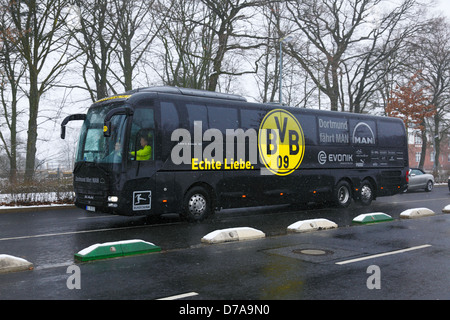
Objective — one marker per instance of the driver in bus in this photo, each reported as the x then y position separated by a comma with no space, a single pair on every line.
144,153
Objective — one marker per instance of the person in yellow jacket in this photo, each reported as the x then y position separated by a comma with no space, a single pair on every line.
145,153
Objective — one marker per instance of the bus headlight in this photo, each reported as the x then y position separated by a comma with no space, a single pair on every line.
113,198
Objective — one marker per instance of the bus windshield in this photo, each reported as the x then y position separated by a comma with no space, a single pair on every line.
93,146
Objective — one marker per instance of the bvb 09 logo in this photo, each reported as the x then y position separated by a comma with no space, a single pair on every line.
281,142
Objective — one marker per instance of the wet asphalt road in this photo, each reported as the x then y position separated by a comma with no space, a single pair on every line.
269,268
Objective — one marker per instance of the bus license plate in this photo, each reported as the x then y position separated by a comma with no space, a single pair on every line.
90,208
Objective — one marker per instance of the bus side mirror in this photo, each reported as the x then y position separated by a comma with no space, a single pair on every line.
72,117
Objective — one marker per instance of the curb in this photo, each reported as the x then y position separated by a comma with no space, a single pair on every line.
12,264
311,225
416,213
233,234
115,249
374,217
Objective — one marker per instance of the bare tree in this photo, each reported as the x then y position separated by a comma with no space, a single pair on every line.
42,46
389,34
347,48
186,47
268,77
432,55
11,74
95,39
203,39
137,29
297,89
9,99
229,38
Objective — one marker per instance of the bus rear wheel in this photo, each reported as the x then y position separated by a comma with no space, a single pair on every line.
197,205
343,194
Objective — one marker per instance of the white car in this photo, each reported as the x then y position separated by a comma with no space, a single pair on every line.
418,179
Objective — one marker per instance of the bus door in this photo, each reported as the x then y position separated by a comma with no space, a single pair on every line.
141,164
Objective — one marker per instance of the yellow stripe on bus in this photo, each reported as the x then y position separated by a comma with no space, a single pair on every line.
111,98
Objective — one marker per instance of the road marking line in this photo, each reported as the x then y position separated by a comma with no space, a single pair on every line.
79,232
63,233
180,296
383,254
409,201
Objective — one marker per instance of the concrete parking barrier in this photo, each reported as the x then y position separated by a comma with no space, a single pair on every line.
311,225
115,249
233,234
416,213
446,209
12,264
374,217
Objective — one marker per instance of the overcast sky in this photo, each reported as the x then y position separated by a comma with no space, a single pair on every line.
444,6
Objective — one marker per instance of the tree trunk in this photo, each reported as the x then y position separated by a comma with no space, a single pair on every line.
32,127
423,152
437,146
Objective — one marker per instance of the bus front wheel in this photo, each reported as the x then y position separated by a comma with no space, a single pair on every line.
343,194
197,204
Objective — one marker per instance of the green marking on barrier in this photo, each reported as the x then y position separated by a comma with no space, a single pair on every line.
115,249
372,218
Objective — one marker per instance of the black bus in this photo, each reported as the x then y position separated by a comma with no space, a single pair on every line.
171,150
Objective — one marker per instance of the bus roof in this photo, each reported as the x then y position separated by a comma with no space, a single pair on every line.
189,92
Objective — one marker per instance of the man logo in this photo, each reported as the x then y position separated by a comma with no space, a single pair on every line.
363,134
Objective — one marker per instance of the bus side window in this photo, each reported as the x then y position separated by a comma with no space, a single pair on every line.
308,124
170,121
251,118
169,117
391,134
223,118
197,112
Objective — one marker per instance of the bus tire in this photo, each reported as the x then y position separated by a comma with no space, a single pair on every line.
366,193
197,204
342,194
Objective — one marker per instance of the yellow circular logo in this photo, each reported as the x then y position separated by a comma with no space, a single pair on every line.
281,142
